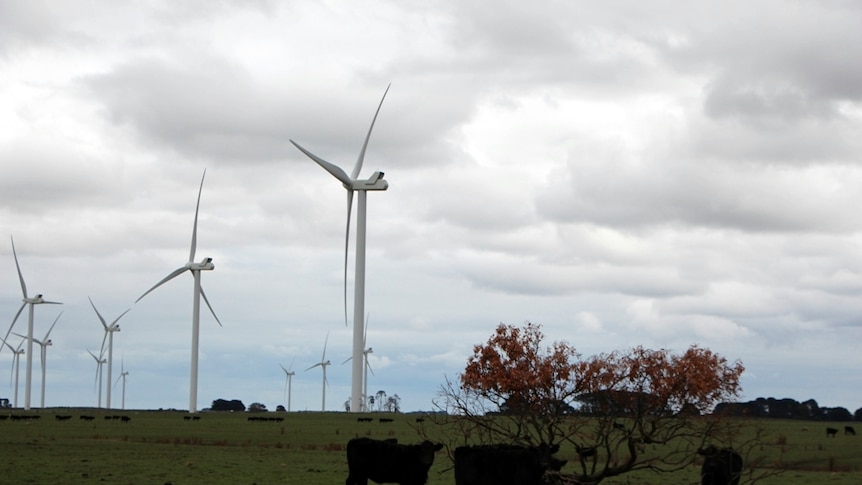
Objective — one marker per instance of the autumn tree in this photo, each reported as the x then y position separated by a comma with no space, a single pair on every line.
638,409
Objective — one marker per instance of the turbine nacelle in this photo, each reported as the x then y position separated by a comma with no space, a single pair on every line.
375,182
206,264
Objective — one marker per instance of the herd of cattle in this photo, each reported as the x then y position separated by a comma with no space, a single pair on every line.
387,461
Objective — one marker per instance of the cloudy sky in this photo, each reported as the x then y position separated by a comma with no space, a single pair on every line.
624,173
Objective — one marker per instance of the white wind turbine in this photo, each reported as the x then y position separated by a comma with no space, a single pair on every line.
31,301
322,364
353,184
43,353
99,361
109,336
16,357
367,366
205,264
288,378
123,374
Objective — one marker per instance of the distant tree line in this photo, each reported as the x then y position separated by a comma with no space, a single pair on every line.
786,409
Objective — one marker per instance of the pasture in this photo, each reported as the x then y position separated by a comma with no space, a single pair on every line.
158,447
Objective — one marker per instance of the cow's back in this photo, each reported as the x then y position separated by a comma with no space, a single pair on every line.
388,462
497,465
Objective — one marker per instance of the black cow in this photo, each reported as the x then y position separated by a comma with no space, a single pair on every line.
831,432
504,464
849,430
721,466
388,462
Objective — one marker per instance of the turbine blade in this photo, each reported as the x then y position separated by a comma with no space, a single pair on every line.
52,303
365,331
101,319
52,326
20,276
167,278
210,307
369,367
102,348
347,360
323,358
332,168
291,364
121,316
282,368
315,365
358,167
14,320
195,227
346,248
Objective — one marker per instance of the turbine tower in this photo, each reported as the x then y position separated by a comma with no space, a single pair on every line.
99,361
43,353
353,184
322,364
16,357
109,336
288,378
205,264
31,302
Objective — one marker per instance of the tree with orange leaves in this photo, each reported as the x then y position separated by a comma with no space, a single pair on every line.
516,389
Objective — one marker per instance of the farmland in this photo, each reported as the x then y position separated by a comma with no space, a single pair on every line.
156,447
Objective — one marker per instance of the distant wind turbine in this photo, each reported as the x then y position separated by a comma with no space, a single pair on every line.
288,378
43,351
322,364
99,361
205,264
109,336
367,365
353,184
16,357
123,374
28,301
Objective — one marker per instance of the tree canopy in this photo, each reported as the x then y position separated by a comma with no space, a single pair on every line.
516,388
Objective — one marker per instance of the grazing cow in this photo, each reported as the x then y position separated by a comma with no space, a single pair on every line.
849,430
831,432
504,464
721,466
389,462
386,420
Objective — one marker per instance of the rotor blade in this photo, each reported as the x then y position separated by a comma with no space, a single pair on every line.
195,228
210,307
282,368
358,167
20,276
365,331
315,365
346,248
121,316
25,337
347,360
102,348
367,364
323,358
332,168
291,364
101,318
51,303
52,326
167,278
13,322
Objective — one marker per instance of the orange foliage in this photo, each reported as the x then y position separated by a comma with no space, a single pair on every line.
512,368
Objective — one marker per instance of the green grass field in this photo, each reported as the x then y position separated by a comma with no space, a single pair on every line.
158,447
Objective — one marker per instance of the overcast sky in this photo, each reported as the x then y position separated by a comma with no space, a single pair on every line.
623,173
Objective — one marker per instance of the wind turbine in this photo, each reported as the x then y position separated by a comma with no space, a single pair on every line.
367,366
44,344
205,264
109,336
31,301
16,356
322,364
123,374
99,361
288,378
353,184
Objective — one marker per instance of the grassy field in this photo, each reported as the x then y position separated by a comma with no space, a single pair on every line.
306,448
